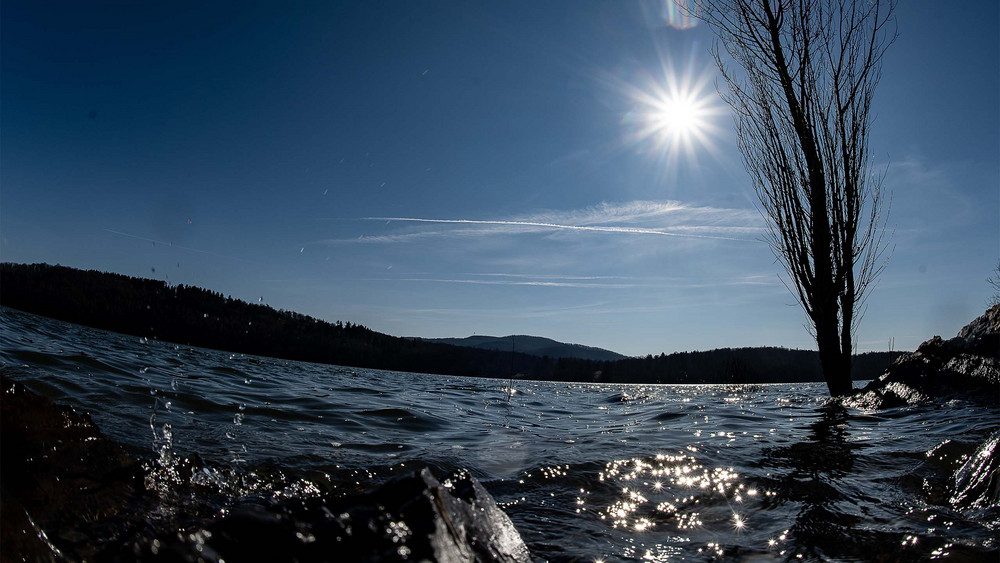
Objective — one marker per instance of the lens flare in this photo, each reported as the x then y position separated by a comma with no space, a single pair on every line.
678,14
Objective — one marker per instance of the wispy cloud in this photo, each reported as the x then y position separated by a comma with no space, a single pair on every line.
537,276
592,228
536,283
591,282
643,218
954,188
393,238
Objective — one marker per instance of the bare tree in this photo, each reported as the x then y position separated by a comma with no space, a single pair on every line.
994,281
801,91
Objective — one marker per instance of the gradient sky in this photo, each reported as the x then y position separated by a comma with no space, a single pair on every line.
442,169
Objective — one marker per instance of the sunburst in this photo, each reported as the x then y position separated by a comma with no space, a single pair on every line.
674,113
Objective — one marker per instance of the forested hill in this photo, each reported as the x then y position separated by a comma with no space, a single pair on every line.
199,317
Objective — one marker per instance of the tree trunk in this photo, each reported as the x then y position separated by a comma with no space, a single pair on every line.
836,370
825,292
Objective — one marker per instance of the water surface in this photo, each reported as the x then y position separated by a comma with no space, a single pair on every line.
586,471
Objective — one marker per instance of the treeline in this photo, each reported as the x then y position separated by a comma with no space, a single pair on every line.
726,365
199,317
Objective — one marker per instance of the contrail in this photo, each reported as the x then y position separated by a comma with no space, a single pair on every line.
508,282
154,241
597,228
170,244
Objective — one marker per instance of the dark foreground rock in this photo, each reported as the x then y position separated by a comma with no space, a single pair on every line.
70,493
66,489
967,366
412,518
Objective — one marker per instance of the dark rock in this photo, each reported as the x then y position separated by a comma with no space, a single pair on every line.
70,493
67,489
412,518
981,334
967,366
976,484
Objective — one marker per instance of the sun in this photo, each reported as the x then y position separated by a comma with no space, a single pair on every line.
672,114
677,118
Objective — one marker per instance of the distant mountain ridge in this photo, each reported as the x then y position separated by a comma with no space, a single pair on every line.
532,345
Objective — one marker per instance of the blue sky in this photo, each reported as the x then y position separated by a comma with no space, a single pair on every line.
442,169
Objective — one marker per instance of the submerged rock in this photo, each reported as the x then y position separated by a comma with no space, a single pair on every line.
967,366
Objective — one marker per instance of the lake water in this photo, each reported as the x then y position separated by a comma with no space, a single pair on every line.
586,472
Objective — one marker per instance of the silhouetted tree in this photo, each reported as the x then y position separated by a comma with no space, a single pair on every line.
807,71
994,281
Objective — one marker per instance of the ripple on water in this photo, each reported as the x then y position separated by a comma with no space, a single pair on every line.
393,417
586,471
227,370
385,447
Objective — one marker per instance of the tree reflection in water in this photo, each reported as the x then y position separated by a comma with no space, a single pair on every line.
819,471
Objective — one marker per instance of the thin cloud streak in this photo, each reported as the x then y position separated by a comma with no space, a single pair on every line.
646,281
650,218
541,276
389,239
587,281
591,228
511,282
